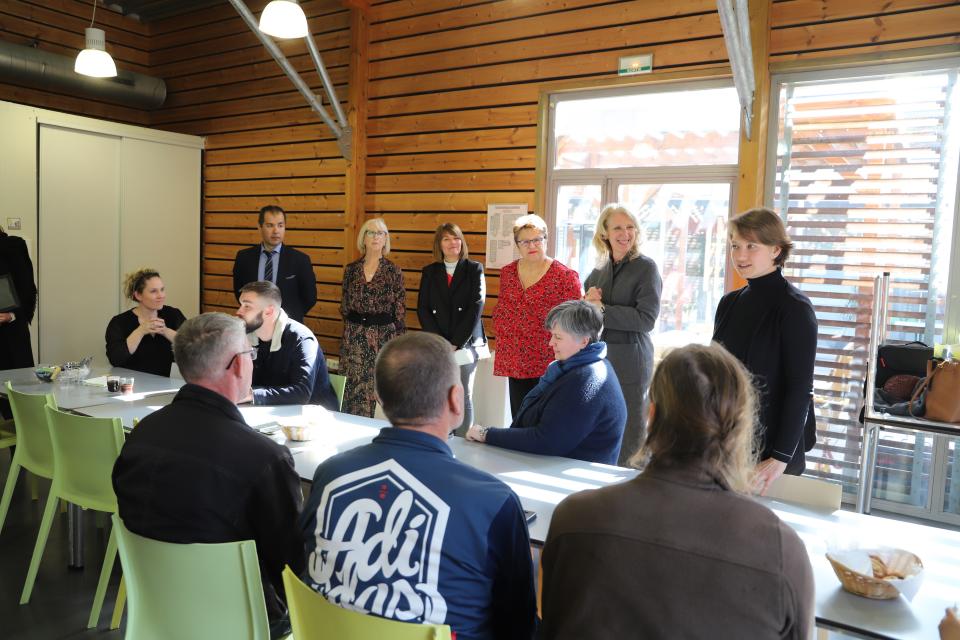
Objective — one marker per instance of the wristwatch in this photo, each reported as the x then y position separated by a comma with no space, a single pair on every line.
482,432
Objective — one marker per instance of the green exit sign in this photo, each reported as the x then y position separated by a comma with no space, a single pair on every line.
631,65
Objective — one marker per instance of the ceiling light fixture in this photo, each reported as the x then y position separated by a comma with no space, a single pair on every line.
94,60
283,19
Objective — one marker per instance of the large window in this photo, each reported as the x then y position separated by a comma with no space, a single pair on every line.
866,178
667,152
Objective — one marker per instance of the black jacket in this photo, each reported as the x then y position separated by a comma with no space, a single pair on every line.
194,471
779,347
15,349
295,372
295,278
453,311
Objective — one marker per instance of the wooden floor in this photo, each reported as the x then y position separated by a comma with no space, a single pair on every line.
61,598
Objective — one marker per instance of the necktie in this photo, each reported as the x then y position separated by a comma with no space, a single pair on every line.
268,266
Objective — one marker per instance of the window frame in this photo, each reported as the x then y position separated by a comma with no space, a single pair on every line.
609,179
838,69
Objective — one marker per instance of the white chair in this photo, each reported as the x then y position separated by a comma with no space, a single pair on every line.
809,492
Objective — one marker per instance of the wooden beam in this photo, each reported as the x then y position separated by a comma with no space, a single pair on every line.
363,6
753,152
356,176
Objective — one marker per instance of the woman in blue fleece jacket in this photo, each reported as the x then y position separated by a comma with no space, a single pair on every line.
577,409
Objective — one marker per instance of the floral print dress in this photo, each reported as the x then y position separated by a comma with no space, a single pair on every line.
383,295
523,344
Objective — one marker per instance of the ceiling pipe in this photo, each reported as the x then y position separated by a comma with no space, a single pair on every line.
342,134
33,67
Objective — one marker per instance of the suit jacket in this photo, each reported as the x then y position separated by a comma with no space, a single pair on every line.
15,349
631,307
453,311
295,278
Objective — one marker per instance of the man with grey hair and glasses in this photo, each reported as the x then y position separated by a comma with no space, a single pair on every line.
401,529
194,471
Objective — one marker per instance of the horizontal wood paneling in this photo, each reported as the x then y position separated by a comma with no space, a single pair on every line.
57,26
452,104
263,143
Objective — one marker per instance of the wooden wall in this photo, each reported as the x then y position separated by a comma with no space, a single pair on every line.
57,26
452,104
263,143
454,88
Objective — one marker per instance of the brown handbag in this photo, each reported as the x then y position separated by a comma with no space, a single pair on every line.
942,387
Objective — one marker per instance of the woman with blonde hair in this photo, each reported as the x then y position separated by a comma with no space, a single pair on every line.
141,338
452,292
682,550
373,308
626,288
529,288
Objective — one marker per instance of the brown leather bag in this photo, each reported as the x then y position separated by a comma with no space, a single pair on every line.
942,387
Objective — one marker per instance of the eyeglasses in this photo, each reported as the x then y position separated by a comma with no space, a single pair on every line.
532,242
375,234
252,352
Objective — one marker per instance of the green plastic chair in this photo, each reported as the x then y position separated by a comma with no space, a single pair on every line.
84,450
34,451
339,384
191,591
313,616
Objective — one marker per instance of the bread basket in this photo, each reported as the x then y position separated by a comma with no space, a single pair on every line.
296,428
880,574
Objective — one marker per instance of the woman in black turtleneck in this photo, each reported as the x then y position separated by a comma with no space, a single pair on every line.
772,329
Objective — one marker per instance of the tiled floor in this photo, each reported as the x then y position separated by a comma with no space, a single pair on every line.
61,598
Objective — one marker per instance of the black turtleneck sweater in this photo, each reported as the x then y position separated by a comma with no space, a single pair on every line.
770,326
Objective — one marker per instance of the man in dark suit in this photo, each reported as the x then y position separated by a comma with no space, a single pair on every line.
15,349
275,262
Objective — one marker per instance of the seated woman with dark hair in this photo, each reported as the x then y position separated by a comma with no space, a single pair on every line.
682,550
577,409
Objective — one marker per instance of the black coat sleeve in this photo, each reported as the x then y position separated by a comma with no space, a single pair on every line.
301,370
798,347
307,282
274,509
470,316
239,277
118,329
424,309
21,271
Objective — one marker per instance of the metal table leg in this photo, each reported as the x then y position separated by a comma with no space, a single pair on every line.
75,536
868,463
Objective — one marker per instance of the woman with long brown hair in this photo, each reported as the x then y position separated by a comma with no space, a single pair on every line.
682,550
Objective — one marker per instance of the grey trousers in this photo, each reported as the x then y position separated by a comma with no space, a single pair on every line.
468,373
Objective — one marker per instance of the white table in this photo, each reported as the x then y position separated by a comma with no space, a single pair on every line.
72,396
542,482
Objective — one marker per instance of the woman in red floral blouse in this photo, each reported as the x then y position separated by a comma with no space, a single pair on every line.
529,288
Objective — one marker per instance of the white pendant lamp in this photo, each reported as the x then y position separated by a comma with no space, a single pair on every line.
94,60
283,19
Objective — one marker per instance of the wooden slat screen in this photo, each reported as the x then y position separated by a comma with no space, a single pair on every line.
859,174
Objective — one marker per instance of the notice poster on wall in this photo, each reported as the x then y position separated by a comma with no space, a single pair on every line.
501,250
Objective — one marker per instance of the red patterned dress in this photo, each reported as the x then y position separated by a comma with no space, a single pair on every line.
523,344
